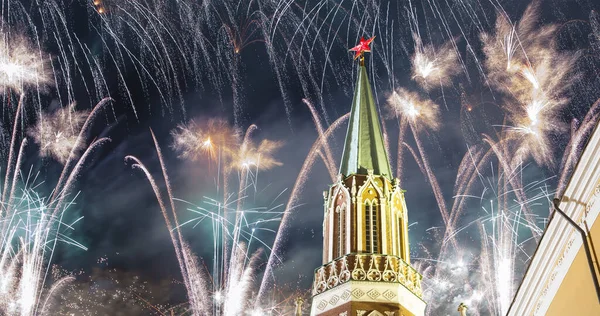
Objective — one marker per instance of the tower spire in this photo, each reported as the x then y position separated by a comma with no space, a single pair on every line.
366,260
364,148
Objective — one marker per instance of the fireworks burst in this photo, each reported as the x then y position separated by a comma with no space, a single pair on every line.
29,237
524,64
419,112
196,140
57,133
259,157
228,291
170,47
20,66
167,50
485,276
32,226
431,67
530,78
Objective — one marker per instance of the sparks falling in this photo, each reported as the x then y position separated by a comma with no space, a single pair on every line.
524,64
32,225
434,67
20,65
410,106
57,133
168,49
200,140
228,290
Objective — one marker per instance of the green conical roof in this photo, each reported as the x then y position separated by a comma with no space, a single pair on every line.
364,148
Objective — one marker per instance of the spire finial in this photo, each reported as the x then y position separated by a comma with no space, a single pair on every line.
365,146
361,49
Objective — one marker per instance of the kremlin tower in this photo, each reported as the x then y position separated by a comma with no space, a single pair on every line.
366,260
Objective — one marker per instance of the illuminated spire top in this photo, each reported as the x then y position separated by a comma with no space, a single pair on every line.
364,148
362,48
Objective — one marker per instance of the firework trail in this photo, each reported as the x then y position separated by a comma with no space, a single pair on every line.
234,270
57,133
484,277
170,47
32,225
523,63
274,257
530,78
505,242
193,281
24,253
19,67
328,158
420,115
434,69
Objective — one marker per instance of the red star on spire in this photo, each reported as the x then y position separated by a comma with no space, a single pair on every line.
362,47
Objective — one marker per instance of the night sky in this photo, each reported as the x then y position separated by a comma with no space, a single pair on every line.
122,227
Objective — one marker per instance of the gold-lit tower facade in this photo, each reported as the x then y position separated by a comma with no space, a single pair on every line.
366,260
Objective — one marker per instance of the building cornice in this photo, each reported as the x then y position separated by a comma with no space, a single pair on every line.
368,292
561,242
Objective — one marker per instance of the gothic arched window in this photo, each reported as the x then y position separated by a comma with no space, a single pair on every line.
371,227
335,232
400,229
342,229
375,235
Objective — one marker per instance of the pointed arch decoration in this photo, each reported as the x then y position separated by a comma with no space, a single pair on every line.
371,183
343,246
377,194
367,228
336,206
372,225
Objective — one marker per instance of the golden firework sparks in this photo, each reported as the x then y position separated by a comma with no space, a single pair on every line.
524,64
198,140
434,67
57,133
259,157
420,112
20,64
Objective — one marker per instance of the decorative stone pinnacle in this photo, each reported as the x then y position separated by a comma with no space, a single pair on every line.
299,302
462,308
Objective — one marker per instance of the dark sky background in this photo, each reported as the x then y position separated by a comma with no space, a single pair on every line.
122,227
